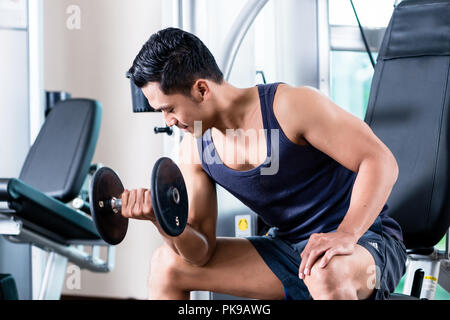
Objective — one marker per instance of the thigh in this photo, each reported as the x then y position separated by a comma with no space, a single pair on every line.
365,272
236,268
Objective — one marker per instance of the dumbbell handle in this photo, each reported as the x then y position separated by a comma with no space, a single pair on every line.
116,204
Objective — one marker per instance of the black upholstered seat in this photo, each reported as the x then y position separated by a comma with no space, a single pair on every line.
54,171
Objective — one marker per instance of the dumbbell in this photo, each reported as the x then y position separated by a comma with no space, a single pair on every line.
168,194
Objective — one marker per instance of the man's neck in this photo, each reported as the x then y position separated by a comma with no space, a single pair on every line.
234,106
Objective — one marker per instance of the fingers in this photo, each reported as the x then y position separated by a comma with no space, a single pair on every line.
308,262
131,202
315,247
324,246
148,207
304,257
124,197
326,258
137,208
136,204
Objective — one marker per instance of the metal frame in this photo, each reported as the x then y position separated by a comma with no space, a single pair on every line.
436,268
348,38
35,67
323,39
187,14
53,278
59,255
341,38
330,38
49,264
245,20
238,32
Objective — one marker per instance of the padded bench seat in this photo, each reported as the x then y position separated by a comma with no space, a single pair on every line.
46,215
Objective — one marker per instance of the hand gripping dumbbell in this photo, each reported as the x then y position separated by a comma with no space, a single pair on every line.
168,194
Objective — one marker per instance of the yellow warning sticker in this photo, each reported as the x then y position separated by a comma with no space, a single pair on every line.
430,278
243,224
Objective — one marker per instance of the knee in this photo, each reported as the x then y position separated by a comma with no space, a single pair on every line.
334,282
164,267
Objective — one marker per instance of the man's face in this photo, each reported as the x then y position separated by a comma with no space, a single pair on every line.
178,110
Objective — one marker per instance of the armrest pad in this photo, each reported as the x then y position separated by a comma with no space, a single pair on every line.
49,213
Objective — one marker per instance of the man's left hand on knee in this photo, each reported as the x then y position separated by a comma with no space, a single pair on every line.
325,246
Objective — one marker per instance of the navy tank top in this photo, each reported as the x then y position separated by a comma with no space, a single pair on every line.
298,190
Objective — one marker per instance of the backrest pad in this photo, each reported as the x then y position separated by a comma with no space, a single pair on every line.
58,162
409,111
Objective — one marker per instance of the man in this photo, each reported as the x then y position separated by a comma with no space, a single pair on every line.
325,200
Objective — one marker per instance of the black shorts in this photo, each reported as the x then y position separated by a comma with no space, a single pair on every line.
283,258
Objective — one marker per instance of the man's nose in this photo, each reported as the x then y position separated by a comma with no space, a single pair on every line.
170,121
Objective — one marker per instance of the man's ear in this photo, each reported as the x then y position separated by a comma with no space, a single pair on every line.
200,90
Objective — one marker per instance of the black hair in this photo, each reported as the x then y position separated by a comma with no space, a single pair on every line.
175,59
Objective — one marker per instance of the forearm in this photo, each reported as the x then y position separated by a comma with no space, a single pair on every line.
191,245
372,187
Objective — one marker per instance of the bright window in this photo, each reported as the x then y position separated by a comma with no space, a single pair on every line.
351,71
351,77
372,13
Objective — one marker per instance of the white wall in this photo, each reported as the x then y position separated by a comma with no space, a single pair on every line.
14,111
91,62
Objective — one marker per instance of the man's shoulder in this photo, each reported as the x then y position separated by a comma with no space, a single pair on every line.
292,95
294,107
296,103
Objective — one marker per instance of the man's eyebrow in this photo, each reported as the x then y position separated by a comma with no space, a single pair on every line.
161,108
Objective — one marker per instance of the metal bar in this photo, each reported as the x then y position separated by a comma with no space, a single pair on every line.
47,274
323,41
430,264
444,275
417,283
447,245
4,195
74,255
238,32
111,259
53,279
188,15
35,65
178,13
348,38
10,226
363,36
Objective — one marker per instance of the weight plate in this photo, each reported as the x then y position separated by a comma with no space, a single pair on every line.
169,197
104,186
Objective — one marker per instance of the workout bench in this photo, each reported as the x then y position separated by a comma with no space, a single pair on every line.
36,208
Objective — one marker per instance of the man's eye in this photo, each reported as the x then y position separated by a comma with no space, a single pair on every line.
171,110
